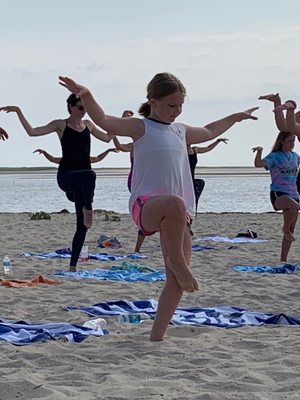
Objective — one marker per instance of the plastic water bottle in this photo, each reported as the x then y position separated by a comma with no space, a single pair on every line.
96,324
84,255
7,265
133,318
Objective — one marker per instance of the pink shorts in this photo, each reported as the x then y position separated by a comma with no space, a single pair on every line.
136,213
137,210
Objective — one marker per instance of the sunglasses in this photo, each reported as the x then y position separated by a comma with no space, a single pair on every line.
80,108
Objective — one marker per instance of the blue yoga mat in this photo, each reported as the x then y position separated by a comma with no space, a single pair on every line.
223,317
23,333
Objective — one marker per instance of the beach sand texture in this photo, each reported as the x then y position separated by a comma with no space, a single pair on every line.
203,363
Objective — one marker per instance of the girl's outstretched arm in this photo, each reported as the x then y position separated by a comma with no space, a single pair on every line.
55,160
216,128
258,162
101,156
292,124
53,126
132,127
279,116
210,147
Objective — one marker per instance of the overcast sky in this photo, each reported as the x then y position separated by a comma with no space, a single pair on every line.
226,53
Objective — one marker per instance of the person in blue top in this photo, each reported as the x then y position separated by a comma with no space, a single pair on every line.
289,122
283,164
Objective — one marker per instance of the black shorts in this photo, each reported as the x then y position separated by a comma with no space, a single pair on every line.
274,194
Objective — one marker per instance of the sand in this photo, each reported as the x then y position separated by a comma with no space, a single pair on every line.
192,362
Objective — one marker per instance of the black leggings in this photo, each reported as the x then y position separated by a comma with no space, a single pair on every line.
79,187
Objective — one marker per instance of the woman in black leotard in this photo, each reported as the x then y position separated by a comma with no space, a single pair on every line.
193,159
75,176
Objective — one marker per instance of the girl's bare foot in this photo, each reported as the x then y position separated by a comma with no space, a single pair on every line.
72,269
87,217
184,277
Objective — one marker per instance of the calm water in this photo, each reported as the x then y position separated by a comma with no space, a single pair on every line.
39,192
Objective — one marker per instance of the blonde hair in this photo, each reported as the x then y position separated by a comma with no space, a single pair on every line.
161,85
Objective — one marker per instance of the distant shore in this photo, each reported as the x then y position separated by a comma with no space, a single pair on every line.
200,171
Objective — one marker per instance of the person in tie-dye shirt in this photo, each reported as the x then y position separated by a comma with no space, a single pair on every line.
283,164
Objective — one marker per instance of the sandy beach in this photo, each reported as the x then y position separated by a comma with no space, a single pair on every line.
203,363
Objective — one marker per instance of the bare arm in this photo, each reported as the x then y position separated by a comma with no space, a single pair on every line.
214,129
132,127
55,160
292,124
210,146
53,126
101,156
3,134
258,162
126,147
281,123
98,133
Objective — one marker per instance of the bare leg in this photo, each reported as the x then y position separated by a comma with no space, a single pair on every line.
172,291
290,210
286,244
167,214
139,241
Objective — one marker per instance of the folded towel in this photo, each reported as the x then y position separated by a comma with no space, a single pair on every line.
223,317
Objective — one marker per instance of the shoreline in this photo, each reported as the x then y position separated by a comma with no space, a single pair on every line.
118,172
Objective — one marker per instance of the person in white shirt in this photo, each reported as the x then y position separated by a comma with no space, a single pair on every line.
162,195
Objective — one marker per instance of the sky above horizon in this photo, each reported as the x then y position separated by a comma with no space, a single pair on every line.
226,54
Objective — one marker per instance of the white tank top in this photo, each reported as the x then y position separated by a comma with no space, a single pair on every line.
161,165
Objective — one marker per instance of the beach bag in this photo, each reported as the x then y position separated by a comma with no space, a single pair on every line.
108,242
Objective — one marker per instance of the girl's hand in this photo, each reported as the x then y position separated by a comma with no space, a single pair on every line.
256,149
247,114
224,140
114,150
72,86
127,113
40,151
9,109
270,97
3,134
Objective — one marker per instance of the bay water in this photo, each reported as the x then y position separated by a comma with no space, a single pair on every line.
33,192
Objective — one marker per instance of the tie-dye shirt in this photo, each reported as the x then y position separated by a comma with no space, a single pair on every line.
283,168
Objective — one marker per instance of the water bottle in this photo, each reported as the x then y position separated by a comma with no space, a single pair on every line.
7,265
133,318
84,255
96,324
